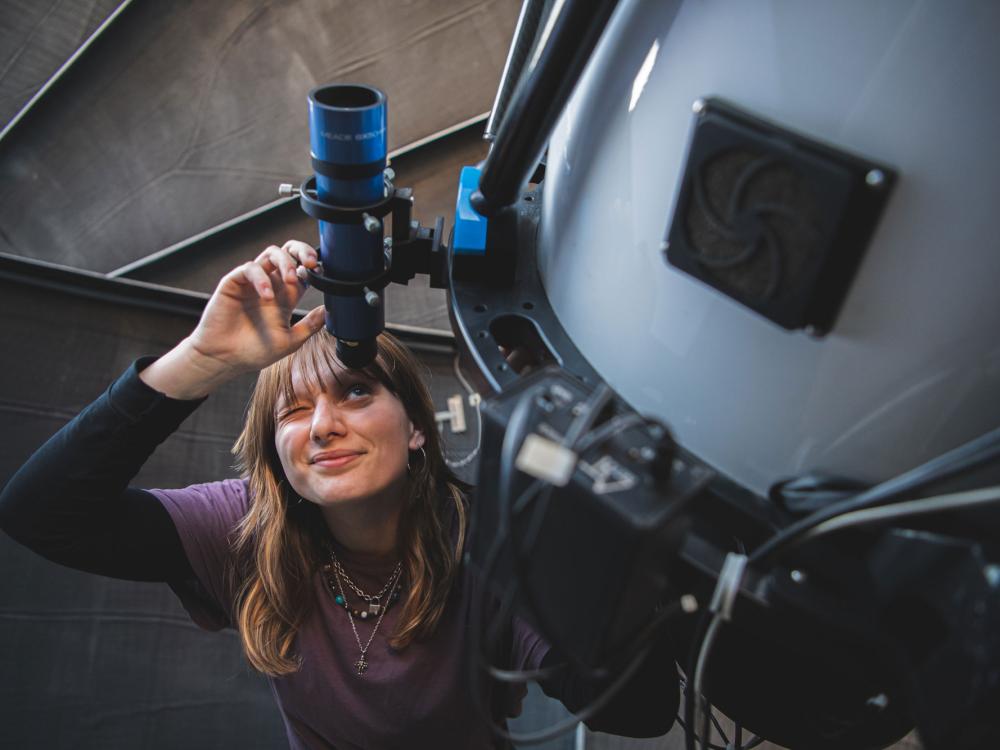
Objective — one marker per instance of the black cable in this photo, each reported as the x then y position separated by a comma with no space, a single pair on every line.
514,437
584,714
607,430
706,712
689,695
576,436
560,727
516,426
966,457
576,430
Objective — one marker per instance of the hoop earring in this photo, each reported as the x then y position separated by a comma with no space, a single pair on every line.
409,469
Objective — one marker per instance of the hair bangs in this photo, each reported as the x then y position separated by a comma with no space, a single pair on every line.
316,363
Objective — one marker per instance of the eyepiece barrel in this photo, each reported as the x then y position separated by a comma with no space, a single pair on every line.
347,138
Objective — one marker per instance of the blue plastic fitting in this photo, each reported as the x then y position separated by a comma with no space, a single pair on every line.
469,237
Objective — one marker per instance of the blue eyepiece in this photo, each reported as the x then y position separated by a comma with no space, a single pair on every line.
347,137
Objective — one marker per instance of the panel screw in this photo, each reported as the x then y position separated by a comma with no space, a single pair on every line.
875,178
880,701
689,604
798,576
373,225
992,573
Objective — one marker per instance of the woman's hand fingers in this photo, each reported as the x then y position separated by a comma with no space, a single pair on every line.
276,261
311,323
287,264
246,322
302,252
256,276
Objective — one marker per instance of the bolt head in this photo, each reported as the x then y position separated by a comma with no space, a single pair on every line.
875,178
880,701
698,106
992,573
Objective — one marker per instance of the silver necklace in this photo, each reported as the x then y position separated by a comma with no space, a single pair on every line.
370,598
362,663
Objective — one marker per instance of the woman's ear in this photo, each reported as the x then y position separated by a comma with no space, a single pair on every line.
417,439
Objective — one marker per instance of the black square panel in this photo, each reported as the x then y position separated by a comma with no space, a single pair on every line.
772,219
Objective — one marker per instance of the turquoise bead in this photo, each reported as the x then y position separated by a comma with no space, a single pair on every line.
339,599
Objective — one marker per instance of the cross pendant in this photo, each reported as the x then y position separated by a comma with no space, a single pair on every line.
361,665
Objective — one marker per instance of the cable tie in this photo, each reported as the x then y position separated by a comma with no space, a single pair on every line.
728,585
546,460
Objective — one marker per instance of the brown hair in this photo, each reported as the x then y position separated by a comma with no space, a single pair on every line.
279,543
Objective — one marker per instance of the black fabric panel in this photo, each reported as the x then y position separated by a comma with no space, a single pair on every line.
36,38
184,115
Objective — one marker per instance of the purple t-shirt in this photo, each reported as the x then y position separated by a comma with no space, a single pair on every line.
417,697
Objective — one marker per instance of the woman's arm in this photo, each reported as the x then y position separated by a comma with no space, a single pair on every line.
71,502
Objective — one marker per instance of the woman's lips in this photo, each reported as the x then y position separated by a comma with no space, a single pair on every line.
336,459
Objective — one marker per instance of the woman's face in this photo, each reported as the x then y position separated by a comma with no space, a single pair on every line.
342,441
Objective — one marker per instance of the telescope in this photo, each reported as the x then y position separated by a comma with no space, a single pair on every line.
726,282
351,195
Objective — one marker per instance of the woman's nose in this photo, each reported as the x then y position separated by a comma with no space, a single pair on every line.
327,420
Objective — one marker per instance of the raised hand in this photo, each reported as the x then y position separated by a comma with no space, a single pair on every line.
246,324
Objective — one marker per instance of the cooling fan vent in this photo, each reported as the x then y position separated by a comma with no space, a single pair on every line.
773,220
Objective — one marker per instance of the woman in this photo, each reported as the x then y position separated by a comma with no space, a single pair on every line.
336,557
